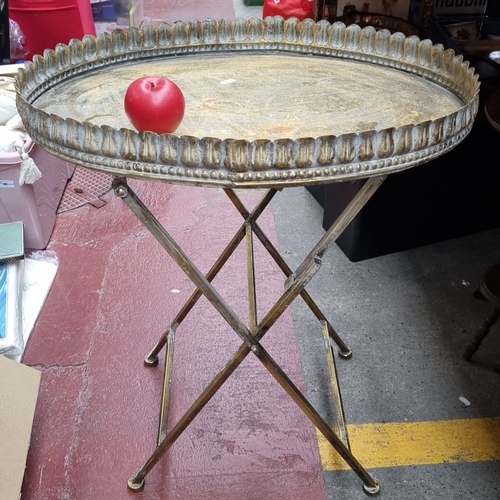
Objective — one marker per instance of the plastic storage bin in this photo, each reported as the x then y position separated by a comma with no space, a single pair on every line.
35,205
45,23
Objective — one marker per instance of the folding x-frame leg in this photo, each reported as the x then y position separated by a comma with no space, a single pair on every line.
294,286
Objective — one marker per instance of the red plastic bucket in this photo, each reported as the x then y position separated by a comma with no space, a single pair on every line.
45,23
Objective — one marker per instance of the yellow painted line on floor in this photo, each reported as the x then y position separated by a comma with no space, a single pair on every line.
418,443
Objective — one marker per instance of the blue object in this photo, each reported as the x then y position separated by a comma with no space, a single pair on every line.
3,301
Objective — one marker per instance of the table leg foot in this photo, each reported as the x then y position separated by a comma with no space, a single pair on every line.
372,490
134,485
345,354
151,360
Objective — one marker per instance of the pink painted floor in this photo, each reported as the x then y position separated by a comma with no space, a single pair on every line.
97,413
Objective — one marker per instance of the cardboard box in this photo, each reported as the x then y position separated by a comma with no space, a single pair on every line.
19,385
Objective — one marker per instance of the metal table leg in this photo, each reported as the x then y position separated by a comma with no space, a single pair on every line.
294,286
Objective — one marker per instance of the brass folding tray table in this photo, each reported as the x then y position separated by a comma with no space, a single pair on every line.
271,104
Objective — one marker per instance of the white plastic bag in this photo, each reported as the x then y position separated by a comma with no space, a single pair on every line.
12,141
18,50
8,108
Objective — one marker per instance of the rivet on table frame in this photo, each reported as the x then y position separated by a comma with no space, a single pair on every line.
121,191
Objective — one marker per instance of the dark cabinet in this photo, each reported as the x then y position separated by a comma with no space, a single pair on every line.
452,196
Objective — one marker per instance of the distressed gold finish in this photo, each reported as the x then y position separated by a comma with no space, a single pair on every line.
253,334
270,103
358,93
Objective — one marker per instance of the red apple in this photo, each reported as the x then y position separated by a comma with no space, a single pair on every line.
154,104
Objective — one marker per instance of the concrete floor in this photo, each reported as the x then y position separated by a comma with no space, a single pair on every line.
407,317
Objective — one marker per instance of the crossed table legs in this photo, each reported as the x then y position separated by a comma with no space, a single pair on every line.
251,336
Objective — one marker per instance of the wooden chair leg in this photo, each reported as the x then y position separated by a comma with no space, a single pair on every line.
475,342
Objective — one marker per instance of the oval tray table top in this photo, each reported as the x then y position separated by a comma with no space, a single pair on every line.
268,102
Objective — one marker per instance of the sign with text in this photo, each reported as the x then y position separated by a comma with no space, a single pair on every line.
447,7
